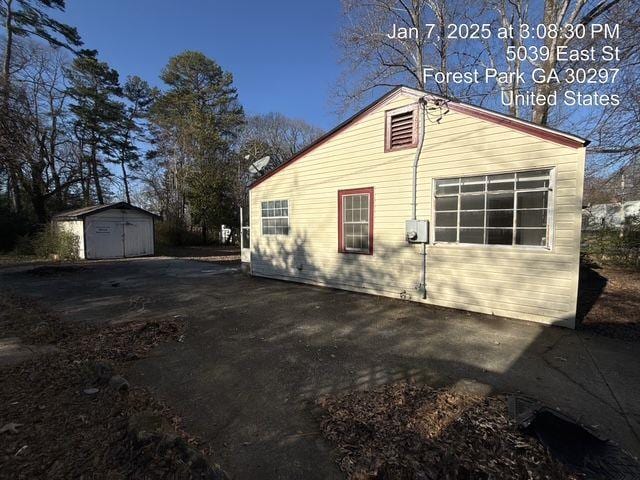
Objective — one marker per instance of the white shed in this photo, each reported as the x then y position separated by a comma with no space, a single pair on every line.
118,230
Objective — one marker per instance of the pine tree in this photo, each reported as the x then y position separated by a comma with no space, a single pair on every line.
139,97
198,118
95,89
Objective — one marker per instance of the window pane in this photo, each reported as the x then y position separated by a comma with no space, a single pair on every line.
446,203
500,218
501,182
471,219
533,174
471,235
500,201
445,234
532,184
532,218
472,202
447,186
537,237
532,200
365,241
500,236
473,184
348,215
446,219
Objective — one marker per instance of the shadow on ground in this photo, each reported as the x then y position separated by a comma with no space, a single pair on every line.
258,353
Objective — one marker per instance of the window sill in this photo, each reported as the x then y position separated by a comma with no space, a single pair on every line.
356,252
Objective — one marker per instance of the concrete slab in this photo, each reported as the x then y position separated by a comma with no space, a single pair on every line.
259,352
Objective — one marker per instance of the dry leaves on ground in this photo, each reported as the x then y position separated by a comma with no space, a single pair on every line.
405,431
609,302
63,421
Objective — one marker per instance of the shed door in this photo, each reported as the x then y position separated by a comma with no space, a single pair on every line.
138,236
104,237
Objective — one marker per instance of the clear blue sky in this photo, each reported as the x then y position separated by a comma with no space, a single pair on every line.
282,53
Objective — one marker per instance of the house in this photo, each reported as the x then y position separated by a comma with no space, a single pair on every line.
430,200
118,230
610,215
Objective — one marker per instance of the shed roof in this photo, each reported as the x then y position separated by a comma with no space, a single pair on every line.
80,213
547,133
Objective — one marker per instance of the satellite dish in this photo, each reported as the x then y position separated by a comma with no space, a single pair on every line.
257,166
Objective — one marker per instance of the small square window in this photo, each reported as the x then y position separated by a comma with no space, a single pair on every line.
275,217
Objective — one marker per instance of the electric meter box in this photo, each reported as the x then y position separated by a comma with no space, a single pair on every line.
417,231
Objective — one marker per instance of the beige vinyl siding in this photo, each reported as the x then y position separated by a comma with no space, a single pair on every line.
522,282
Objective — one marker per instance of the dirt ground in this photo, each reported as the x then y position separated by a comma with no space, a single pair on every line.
207,253
68,412
609,302
407,431
257,354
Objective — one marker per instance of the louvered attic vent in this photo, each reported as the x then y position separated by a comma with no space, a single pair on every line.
400,130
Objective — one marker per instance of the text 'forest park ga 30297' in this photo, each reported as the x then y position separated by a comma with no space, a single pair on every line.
543,47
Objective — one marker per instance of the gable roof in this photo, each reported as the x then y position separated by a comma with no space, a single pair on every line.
546,133
80,213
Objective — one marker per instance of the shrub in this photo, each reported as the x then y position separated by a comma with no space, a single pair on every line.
54,241
617,246
174,234
14,227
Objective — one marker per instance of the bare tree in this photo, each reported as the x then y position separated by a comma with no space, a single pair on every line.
38,102
275,135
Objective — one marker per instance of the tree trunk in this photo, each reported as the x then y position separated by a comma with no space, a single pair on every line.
6,69
12,182
204,233
16,196
125,180
94,172
52,152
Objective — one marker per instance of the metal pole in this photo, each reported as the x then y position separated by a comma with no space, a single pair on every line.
424,271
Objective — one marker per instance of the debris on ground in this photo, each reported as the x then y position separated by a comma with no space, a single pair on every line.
56,270
69,413
576,445
409,431
609,301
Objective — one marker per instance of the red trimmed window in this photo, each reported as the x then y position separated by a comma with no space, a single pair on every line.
355,221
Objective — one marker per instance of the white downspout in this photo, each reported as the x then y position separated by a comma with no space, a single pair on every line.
414,199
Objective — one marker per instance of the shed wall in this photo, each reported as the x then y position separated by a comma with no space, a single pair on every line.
528,283
104,234
77,228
